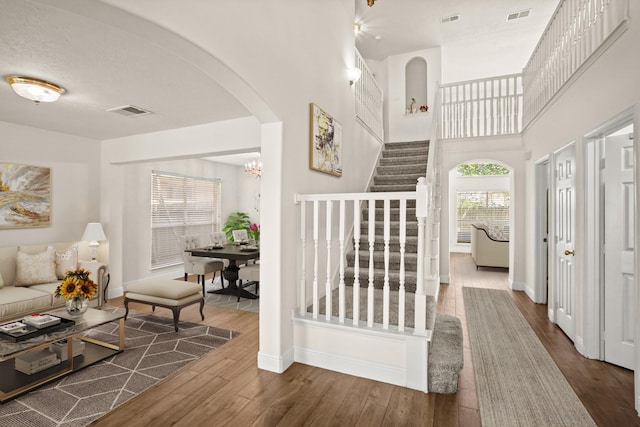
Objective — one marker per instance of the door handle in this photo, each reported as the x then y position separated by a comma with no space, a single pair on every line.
568,252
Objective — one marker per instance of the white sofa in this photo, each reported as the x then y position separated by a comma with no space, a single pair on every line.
29,288
489,246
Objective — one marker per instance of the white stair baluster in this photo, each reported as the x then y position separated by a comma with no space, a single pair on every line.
327,286
341,300
303,280
315,259
385,287
372,240
403,241
356,263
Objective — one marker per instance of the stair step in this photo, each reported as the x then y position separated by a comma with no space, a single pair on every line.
394,226
410,260
405,152
405,161
380,188
394,214
401,169
406,144
410,279
410,245
405,179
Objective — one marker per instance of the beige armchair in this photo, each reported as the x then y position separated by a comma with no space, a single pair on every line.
199,265
489,246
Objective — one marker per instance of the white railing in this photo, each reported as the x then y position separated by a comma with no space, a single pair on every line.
368,100
486,107
318,221
576,30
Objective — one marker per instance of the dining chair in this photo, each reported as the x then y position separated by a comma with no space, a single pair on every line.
198,265
251,273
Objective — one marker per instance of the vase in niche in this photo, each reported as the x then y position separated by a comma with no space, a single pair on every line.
77,306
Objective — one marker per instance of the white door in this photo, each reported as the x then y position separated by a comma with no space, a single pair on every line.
619,266
564,237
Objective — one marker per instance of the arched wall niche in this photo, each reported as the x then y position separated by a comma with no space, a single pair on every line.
415,77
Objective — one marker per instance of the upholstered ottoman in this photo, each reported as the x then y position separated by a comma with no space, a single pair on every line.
171,294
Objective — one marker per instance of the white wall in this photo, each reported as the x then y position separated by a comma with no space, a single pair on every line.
398,125
300,56
605,89
75,181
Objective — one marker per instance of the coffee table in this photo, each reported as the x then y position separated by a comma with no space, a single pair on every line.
14,383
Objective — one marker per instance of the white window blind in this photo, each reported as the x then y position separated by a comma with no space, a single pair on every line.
491,207
181,205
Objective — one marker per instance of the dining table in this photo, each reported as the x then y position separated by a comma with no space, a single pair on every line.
235,253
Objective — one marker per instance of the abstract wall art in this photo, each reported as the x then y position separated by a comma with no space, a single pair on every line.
325,150
25,196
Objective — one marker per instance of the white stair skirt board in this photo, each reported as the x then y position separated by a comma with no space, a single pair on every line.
394,358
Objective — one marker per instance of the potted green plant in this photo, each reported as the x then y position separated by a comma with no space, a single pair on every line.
236,221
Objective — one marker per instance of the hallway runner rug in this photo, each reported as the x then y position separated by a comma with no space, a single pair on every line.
153,351
517,381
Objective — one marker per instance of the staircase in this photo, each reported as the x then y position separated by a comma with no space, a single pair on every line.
400,166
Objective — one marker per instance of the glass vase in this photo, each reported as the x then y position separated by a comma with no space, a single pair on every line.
77,306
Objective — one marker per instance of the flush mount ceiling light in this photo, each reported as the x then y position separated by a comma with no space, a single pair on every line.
35,89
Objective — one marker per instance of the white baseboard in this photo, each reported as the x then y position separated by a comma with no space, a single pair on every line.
351,366
277,364
516,286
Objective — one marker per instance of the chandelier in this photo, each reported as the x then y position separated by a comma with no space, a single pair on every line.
254,168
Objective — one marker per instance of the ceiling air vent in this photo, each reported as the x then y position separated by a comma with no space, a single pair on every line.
518,15
129,111
450,18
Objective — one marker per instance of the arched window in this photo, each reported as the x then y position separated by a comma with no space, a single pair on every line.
415,77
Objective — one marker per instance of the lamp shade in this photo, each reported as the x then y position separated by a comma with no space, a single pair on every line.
93,232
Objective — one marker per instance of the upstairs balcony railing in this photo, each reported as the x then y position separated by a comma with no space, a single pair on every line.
369,100
575,32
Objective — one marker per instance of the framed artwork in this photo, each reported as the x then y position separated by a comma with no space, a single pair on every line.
325,145
25,196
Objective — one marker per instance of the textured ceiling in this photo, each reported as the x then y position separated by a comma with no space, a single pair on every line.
101,67
392,27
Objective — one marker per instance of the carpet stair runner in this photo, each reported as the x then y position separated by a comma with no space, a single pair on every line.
399,168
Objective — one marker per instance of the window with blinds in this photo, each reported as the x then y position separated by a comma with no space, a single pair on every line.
181,205
491,207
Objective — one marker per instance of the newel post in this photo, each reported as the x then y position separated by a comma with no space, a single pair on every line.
421,299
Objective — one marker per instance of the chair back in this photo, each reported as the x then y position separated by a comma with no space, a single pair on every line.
218,238
240,235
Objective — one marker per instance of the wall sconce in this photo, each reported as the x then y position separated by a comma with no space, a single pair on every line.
92,234
353,74
35,89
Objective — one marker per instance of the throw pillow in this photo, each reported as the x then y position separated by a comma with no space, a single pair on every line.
33,269
67,260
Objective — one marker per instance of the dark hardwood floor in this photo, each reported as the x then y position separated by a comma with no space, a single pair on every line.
226,387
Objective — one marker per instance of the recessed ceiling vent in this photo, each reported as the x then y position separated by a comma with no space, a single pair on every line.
518,15
129,111
450,18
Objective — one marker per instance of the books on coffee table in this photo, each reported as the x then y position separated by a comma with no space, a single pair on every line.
36,361
60,348
41,320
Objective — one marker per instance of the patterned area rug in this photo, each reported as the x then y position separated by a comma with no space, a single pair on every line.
230,301
153,351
